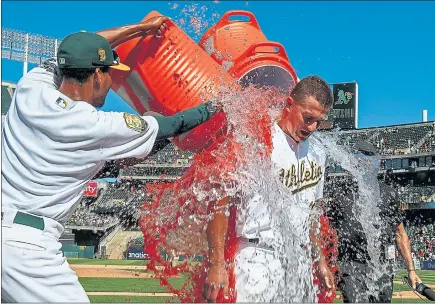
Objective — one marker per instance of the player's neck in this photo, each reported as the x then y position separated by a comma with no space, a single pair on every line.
286,131
77,92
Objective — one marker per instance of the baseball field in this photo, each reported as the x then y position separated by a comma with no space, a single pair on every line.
118,281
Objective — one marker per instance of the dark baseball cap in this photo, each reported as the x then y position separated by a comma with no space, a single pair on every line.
85,50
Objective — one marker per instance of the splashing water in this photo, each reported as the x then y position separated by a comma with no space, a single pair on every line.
366,208
195,18
239,165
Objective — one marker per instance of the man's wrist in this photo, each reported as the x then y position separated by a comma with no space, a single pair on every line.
144,28
216,254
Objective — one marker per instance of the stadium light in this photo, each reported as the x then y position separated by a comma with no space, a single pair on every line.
27,48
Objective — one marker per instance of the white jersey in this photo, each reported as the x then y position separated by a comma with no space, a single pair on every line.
301,170
52,146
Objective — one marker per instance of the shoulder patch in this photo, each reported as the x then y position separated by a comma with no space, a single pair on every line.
62,102
135,122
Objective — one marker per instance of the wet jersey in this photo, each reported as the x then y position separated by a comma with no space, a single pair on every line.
52,145
300,167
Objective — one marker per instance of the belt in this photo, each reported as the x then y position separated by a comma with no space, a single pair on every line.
29,220
256,241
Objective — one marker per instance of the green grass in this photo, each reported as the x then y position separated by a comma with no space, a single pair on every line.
153,285
107,262
124,299
427,276
128,284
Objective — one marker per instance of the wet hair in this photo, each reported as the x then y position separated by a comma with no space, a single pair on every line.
79,75
316,87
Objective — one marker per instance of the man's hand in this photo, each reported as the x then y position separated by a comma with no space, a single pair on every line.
413,278
217,278
326,277
155,26
118,35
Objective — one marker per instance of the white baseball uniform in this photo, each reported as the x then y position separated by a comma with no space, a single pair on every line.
51,147
259,271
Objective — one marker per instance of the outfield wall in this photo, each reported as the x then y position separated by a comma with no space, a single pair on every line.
427,265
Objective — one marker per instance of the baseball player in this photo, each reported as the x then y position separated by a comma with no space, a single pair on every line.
53,142
258,269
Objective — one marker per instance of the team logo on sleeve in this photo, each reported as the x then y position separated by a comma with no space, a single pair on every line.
135,122
62,102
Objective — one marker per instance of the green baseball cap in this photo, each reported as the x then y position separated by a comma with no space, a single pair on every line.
84,50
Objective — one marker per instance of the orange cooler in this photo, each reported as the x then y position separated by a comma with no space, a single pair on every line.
231,36
243,50
265,64
169,75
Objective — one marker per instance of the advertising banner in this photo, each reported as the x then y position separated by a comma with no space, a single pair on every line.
427,265
91,189
136,253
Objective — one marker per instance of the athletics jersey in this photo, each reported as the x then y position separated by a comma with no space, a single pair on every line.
52,146
301,169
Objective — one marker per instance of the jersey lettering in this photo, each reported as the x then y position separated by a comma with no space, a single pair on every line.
303,178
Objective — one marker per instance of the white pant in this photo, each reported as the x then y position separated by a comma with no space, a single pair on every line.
261,277
33,267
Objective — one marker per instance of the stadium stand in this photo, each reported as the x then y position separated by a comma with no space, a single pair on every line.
417,194
394,140
84,218
169,155
423,241
8,90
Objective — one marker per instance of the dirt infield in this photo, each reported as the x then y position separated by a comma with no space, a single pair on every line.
111,271
405,295
103,272
78,266
131,294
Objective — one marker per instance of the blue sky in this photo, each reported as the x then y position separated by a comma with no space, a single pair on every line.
388,48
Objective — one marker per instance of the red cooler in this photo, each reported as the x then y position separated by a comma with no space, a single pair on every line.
169,75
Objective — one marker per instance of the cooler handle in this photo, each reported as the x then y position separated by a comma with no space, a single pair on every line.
225,20
277,49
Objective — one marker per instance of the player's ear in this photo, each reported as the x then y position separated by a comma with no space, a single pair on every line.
98,75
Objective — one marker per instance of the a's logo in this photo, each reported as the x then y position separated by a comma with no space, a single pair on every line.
135,122
298,179
61,60
343,97
102,55
62,102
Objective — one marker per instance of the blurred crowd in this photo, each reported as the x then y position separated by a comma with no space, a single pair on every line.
85,217
422,241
